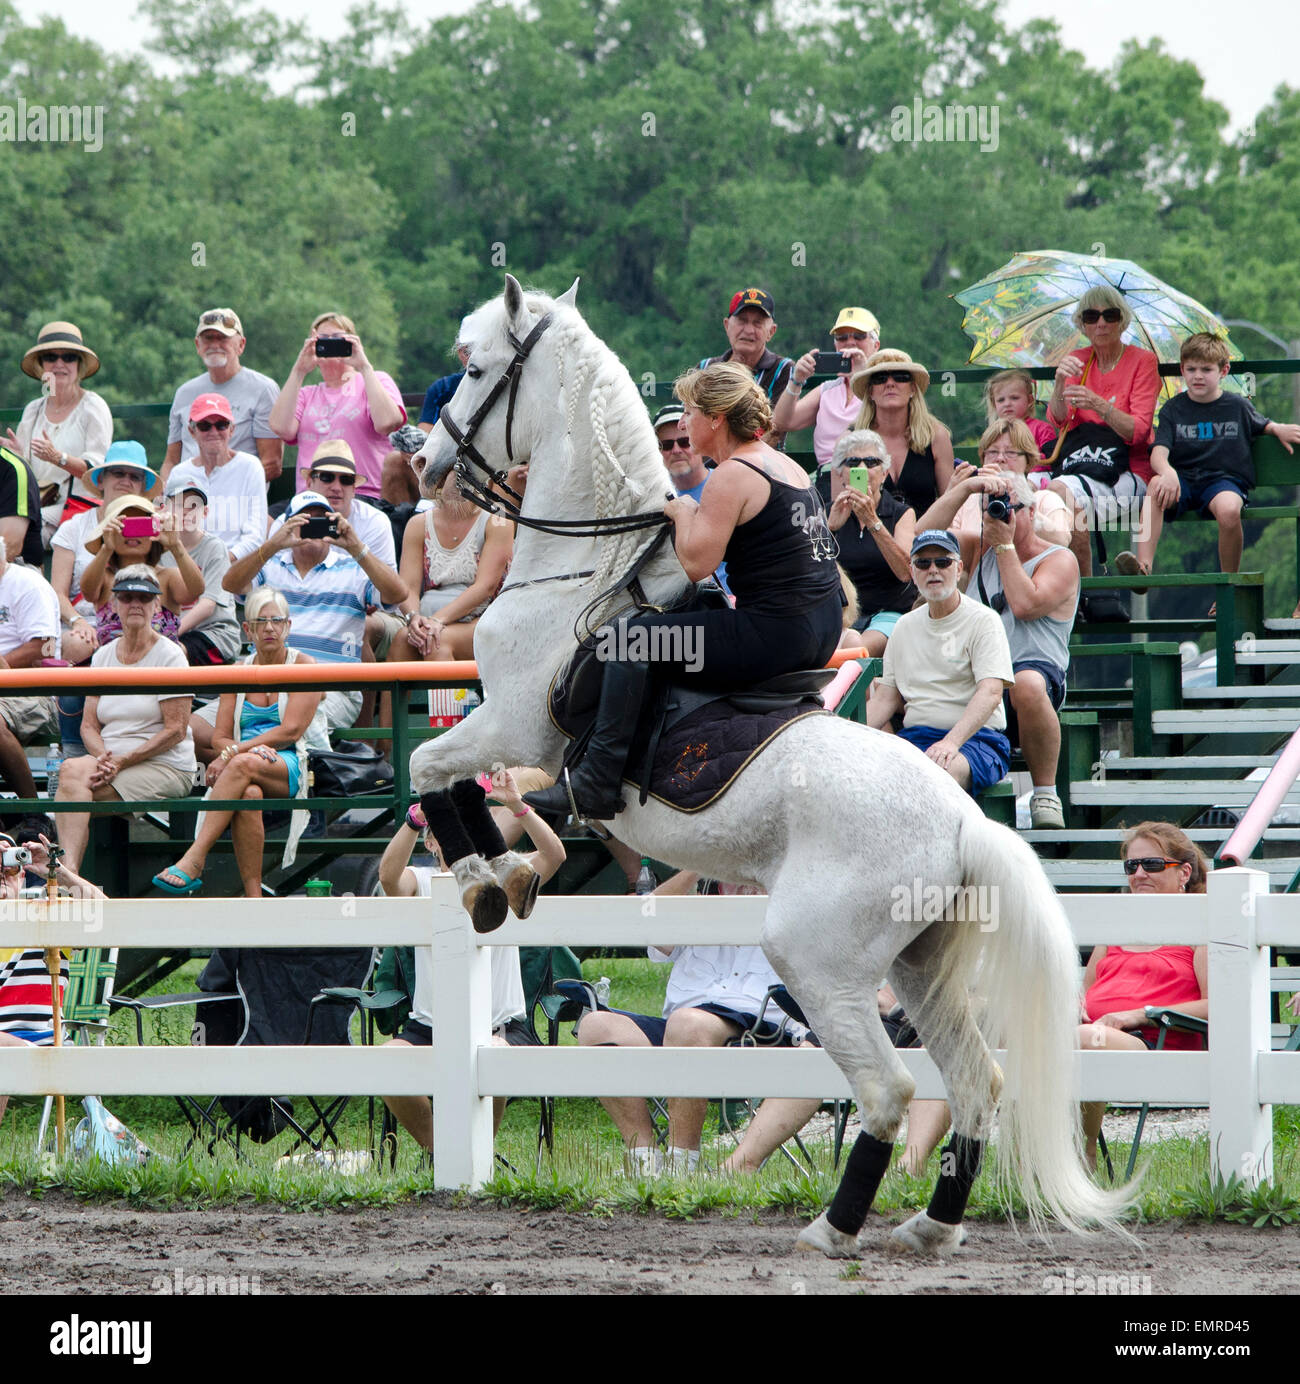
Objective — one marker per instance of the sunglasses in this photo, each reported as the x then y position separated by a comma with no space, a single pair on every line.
923,564
898,377
217,319
119,473
666,444
68,357
134,597
1152,864
863,461
850,336
343,477
213,424
1094,315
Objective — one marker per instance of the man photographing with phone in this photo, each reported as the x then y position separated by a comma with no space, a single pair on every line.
328,576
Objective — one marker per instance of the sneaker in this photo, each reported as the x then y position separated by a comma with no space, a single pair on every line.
1046,812
1130,565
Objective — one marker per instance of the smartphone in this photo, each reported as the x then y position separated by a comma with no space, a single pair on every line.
860,478
333,346
139,526
831,363
322,526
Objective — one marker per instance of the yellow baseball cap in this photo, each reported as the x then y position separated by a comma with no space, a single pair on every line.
858,319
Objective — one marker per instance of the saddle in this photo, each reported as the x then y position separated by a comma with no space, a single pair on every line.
690,743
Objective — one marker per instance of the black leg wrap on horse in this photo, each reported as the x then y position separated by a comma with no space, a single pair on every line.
471,802
959,1165
857,1190
448,830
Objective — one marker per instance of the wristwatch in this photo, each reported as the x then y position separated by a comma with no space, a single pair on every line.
877,526
1004,547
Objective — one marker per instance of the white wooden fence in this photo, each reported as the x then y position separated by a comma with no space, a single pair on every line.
1239,1079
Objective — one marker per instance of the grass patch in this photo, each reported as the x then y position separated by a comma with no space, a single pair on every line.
585,1175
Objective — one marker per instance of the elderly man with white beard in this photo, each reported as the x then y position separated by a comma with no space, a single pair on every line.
947,672
220,341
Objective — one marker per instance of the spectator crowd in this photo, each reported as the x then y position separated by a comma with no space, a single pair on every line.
964,578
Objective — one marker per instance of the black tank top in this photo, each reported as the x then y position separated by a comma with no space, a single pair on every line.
916,485
782,561
873,578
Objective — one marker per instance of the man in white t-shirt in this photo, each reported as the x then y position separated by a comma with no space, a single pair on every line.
234,482
220,342
945,668
29,631
399,880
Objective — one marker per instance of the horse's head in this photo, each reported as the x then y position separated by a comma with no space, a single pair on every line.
504,435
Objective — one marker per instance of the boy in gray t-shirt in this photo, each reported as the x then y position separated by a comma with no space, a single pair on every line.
209,631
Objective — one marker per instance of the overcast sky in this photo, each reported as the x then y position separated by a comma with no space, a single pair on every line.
1244,50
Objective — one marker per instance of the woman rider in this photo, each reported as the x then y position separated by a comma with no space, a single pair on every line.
759,514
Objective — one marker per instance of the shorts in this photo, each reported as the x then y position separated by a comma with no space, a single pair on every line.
988,752
654,1028
341,708
882,622
389,628
1199,499
515,1032
33,720
1108,507
201,651
531,780
149,781
1053,676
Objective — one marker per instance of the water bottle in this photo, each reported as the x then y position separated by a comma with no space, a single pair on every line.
601,988
53,763
646,883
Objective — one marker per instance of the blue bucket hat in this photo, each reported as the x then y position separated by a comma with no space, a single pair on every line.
125,455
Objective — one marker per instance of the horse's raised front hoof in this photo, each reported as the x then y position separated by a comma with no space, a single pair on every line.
480,894
519,880
821,1237
921,1235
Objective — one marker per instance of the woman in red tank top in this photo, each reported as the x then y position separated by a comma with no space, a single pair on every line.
1121,981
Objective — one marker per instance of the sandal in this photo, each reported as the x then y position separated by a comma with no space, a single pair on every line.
191,886
1130,565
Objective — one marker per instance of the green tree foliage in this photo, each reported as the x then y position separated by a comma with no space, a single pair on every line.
666,152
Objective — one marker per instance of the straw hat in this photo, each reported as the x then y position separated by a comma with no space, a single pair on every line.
884,362
124,504
59,336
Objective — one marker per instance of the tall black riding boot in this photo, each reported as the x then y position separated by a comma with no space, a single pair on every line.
597,779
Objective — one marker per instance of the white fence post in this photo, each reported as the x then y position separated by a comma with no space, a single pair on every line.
1241,1129
462,1021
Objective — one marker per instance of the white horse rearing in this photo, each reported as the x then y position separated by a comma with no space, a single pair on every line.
846,829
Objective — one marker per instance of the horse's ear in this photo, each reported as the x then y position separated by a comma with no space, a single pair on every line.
570,295
514,301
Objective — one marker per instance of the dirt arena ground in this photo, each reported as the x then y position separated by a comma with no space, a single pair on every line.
439,1248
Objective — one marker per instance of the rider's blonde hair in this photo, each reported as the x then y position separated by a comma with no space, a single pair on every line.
726,390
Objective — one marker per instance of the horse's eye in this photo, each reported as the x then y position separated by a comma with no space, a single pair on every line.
473,371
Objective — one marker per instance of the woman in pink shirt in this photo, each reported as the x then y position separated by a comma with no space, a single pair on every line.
1103,399
1120,982
356,402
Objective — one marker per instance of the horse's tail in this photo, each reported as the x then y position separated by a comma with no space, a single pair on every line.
1021,962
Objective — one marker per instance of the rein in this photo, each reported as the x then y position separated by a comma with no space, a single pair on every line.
468,456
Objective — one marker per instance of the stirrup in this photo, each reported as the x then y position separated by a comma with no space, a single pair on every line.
591,824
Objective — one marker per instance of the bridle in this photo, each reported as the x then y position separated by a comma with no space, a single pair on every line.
468,456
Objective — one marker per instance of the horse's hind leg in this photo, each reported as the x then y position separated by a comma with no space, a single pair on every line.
835,986
942,1017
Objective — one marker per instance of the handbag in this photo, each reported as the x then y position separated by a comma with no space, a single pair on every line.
1091,450
349,772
